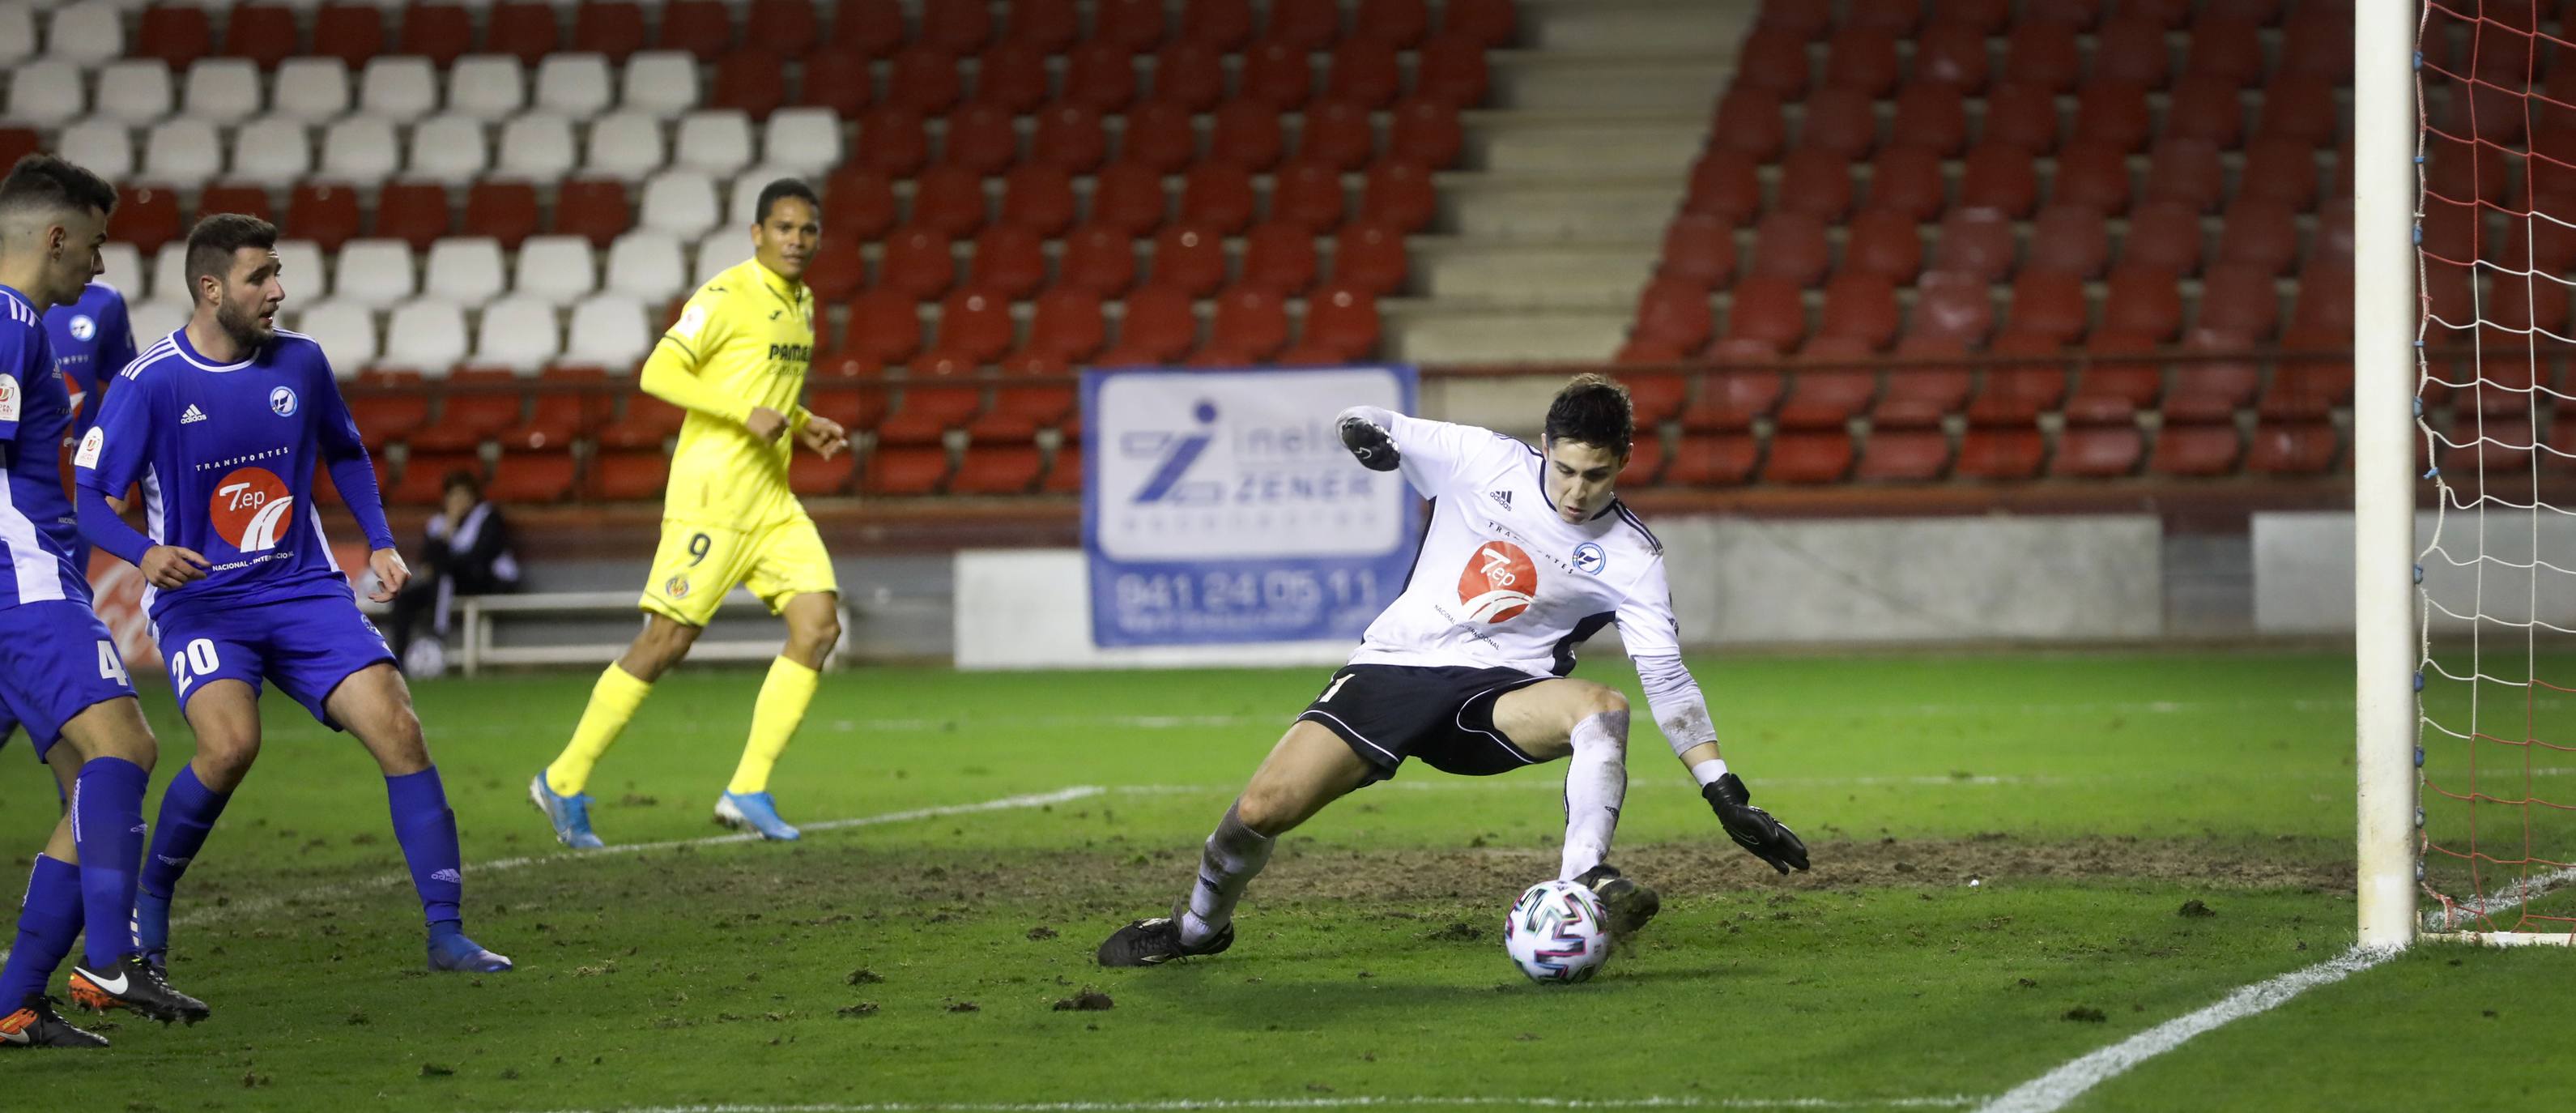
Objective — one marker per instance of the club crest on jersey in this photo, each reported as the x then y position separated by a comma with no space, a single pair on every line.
1589,558
281,402
1499,582
8,398
252,509
677,587
92,443
83,328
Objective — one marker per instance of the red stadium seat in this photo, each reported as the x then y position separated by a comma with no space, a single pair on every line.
1675,313
1129,197
2108,451
918,261
2239,299
837,270
1064,472
1896,17
1280,257
2113,115
1863,59
1730,400
1165,136
2093,175
2043,54
1903,456
1451,70
949,199
1218,197
2205,108
1247,134
1953,307
956,28
425,476
1427,131
1399,193
1371,257
1809,457
1048,26
263,33
2281,171
1840,119
1038,198
2293,448
1934,116
1364,72
352,33
2187,171
894,140
2318,44
2164,237
17,143
1070,136
1712,460
1918,397
327,214
924,78
2195,451
1773,61
2023,117
2260,234
1136,24
1805,21
1770,309
244,199
904,471
811,476
2229,49
2301,110
1068,325
1977,243
175,35
1156,327
1304,24
1190,259
1952,55
702,28
2131,50
1699,249
752,79
1189,74
383,419
1101,76
836,77
1010,259
1341,324
1000,469
479,404
2000,180
1750,122
885,328
1397,23
1860,307
1727,185
1487,22
1336,133
1987,16
788,27
938,395
505,211
1791,246
2212,389
1883,244
557,419
1309,195
647,423
2007,455
1011,76
858,202
1277,74
611,27
2069,240
1908,180
1251,323
2113,391
146,217
414,212
522,29
2050,305
1828,397
2017,393
629,476
1099,259
975,324
2144,301
983,138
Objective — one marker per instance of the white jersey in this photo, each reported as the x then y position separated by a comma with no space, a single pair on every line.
1501,580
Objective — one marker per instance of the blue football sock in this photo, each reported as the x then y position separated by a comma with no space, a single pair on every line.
107,830
47,925
427,832
188,812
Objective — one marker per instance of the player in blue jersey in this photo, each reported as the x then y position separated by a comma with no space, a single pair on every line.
223,424
60,674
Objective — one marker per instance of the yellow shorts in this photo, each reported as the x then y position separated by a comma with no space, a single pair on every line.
698,563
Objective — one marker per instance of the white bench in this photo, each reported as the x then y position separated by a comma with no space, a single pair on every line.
476,615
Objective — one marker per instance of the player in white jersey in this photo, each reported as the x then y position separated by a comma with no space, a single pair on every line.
1528,554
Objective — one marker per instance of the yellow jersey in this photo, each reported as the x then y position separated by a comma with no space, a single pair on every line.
744,340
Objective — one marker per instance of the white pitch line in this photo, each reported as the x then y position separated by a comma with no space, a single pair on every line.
2513,896
2057,1088
1182,1105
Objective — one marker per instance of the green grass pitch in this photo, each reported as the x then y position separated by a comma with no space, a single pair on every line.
2004,845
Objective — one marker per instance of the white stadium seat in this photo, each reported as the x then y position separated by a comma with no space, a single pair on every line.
717,142
183,153
518,333
155,319
662,82
374,273
718,250
806,140
134,92
226,90
488,87
537,147
425,336
447,149
87,33
300,268
646,265
624,145
609,330
47,92
557,270
743,202
466,270
102,148
314,90
17,33
576,85
398,88
169,274
361,151
124,269
681,202
346,331
272,151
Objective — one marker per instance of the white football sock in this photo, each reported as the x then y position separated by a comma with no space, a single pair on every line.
1234,853
1596,782
1707,772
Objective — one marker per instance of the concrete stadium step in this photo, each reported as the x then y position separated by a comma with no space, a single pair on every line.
1547,207
1614,141
1703,26
1425,331
1486,273
1653,80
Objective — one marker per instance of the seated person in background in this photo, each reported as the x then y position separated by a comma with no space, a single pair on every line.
468,553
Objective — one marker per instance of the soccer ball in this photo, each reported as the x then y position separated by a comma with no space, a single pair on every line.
1556,933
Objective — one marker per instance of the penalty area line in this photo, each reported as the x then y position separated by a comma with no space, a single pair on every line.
2057,1088
1182,1105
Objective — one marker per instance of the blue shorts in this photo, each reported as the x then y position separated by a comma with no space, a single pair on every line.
56,661
305,646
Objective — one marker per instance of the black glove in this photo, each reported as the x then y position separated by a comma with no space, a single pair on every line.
1374,449
1751,827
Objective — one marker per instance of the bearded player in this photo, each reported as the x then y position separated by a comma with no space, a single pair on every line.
1528,554
223,423
736,362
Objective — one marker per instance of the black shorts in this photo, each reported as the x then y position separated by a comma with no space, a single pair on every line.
1442,715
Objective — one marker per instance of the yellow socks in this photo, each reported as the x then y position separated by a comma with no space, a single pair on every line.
612,702
773,721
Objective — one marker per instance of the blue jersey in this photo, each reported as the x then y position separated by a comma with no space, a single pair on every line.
225,454
37,532
92,341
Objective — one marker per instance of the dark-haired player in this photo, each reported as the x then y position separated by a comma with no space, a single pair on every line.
223,423
1528,554
736,362
60,673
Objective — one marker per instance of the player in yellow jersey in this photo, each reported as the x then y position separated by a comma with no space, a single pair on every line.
736,361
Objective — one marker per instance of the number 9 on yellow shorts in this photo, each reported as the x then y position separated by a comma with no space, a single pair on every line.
698,563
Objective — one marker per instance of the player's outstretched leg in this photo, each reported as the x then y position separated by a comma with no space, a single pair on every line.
224,716
48,924
813,628
621,689
116,753
1587,724
1309,768
377,708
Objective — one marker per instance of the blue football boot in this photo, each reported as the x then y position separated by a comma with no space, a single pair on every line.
756,811
569,814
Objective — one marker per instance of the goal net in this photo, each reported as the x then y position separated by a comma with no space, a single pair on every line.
2495,247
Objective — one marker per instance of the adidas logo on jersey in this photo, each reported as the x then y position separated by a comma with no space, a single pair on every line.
193,416
1503,497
